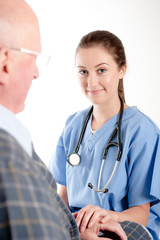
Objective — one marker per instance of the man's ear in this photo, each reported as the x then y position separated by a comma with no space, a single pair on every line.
4,62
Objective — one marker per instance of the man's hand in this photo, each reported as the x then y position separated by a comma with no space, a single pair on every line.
110,225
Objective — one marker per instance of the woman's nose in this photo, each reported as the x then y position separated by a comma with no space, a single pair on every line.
92,80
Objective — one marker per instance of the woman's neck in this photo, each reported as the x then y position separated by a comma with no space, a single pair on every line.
104,112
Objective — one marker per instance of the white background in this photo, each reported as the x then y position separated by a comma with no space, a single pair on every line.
56,94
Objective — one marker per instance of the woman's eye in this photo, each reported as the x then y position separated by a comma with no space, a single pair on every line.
83,72
102,70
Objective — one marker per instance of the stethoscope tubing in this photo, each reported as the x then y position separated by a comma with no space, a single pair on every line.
83,130
109,144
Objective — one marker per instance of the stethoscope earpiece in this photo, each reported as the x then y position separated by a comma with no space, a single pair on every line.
106,190
90,185
101,191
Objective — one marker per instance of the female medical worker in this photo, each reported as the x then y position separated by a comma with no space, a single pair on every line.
125,185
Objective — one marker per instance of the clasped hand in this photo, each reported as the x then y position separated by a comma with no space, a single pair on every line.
92,219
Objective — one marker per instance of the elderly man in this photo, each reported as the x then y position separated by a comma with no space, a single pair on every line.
29,205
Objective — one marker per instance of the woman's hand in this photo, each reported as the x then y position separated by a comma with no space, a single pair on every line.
90,214
110,225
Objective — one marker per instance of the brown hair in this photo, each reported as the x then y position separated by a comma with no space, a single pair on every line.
113,45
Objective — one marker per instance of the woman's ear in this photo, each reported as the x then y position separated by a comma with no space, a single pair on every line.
122,71
4,61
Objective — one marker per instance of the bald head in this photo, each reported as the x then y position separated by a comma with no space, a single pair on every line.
19,28
18,24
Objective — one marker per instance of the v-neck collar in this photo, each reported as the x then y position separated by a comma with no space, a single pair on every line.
92,139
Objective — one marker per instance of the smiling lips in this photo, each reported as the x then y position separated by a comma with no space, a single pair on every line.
95,92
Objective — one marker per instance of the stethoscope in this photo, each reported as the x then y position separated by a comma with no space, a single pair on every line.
74,158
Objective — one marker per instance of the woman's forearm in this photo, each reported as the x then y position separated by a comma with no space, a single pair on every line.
137,214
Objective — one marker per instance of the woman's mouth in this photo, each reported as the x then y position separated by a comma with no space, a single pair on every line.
95,92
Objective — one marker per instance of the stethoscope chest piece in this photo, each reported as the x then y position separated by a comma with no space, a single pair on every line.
74,159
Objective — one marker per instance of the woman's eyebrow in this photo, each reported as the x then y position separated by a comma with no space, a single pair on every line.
101,64
81,67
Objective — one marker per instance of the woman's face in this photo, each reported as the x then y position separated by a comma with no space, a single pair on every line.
98,74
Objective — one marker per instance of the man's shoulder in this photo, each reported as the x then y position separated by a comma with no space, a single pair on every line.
27,184
6,137
10,146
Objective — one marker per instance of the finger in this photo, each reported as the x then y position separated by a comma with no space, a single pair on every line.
79,217
104,238
98,215
114,227
105,218
95,229
82,218
85,219
75,214
110,215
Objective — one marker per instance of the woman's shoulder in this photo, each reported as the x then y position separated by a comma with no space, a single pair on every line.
137,120
77,117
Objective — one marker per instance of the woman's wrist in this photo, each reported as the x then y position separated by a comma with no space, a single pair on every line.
116,216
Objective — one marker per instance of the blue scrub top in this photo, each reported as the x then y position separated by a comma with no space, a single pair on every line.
137,177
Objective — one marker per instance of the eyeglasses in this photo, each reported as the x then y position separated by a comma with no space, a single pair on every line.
41,59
